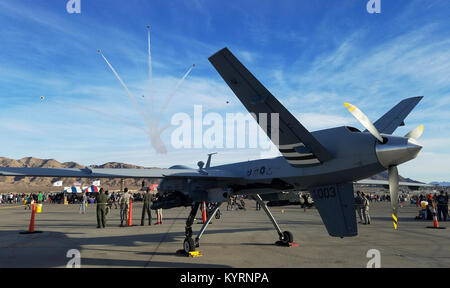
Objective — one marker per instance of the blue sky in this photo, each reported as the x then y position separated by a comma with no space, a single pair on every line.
312,55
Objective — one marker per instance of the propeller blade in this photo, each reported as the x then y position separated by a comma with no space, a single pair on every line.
415,133
393,190
362,118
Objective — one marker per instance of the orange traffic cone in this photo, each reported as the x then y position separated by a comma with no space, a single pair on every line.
130,213
435,220
204,212
33,212
31,226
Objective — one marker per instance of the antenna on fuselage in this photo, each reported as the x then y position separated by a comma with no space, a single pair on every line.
208,163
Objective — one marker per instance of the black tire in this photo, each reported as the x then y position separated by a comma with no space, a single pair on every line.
287,237
188,245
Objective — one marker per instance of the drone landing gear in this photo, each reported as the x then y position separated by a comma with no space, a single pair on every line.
286,237
189,244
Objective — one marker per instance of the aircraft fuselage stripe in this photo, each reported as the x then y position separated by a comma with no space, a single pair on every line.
300,158
295,154
295,158
290,146
304,162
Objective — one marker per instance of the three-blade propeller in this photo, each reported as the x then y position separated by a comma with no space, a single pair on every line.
392,170
415,133
362,118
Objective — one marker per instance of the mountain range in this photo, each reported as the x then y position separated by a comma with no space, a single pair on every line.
444,184
33,184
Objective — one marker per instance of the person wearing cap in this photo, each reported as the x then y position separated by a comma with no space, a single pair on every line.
102,200
148,198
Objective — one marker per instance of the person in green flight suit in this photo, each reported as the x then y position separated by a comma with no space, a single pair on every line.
148,198
102,200
40,197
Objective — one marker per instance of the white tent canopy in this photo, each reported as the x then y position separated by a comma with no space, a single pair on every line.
72,190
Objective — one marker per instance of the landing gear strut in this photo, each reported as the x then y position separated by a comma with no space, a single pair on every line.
189,244
205,225
285,237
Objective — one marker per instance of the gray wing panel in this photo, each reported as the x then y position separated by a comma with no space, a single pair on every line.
297,145
394,118
114,173
386,183
336,205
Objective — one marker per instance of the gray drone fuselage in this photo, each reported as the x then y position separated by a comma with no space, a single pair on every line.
356,155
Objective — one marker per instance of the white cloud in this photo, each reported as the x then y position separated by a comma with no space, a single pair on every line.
427,167
317,121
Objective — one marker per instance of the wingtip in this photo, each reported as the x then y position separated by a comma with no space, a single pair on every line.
221,51
418,98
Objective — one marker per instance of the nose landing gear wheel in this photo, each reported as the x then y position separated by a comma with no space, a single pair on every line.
189,245
287,237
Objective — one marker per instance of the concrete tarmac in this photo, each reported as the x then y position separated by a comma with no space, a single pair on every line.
242,239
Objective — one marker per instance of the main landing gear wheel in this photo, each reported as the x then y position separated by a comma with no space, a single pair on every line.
287,237
189,245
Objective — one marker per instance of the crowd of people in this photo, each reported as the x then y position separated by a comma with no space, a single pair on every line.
105,201
25,199
427,202
236,202
432,203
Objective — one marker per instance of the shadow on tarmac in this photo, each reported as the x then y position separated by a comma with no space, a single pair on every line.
49,249
147,264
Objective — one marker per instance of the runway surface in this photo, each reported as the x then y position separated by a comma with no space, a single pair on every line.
240,238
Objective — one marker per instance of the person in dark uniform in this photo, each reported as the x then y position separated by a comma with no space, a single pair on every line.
148,199
442,206
102,200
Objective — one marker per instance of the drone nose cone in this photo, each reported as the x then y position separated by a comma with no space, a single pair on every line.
414,147
397,150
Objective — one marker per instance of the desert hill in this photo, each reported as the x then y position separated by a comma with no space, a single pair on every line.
33,184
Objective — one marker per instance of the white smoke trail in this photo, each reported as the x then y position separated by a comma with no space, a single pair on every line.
133,99
150,76
172,93
153,123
